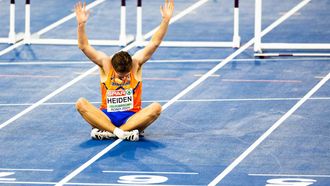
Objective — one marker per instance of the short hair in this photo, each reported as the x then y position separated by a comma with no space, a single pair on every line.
122,62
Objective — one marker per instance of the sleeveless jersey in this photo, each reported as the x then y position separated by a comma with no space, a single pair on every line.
121,97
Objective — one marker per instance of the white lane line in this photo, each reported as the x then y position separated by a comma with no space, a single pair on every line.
291,175
83,184
12,47
180,100
26,76
88,163
268,132
36,170
50,27
240,158
235,54
43,100
213,75
261,80
100,154
67,18
37,63
6,174
155,61
146,172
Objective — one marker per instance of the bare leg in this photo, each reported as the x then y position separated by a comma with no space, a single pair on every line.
143,118
94,116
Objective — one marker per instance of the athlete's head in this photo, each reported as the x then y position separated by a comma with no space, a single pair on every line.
122,62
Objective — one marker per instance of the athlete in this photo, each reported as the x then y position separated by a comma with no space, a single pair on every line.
120,114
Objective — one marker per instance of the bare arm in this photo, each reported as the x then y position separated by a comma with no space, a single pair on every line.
82,15
145,54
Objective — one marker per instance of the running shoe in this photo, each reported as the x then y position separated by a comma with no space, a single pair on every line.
101,134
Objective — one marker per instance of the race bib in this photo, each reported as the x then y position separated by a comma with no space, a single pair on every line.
119,100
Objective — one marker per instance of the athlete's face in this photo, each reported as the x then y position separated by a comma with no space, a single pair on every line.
121,78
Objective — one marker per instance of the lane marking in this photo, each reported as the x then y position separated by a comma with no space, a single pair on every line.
4,175
213,75
161,78
43,100
100,154
291,175
12,47
144,78
155,61
37,63
236,53
225,80
88,163
180,100
25,76
261,81
146,172
37,170
268,132
84,184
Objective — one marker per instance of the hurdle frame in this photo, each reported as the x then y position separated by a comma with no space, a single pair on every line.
235,43
35,38
259,45
123,38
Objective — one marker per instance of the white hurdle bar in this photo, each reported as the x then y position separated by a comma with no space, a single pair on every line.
35,38
235,43
259,46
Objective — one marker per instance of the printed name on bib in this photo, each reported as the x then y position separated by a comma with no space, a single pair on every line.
119,100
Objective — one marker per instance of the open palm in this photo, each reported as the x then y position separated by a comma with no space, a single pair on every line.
81,13
167,9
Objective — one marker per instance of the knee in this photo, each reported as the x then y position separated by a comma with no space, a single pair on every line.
157,109
81,104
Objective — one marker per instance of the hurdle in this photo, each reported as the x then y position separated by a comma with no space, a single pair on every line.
259,45
12,36
235,43
36,39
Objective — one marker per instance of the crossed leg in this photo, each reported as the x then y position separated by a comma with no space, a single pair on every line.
143,118
97,119
94,116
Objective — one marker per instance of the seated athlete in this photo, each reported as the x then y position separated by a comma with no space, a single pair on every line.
120,114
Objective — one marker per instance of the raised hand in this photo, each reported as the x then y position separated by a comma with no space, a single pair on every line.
167,9
81,13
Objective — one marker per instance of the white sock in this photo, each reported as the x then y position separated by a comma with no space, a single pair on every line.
119,133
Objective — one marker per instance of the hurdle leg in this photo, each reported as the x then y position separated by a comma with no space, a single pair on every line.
257,26
236,37
122,36
12,34
139,37
27,35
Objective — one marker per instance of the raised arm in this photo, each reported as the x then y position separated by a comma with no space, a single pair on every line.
145,54
82,16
